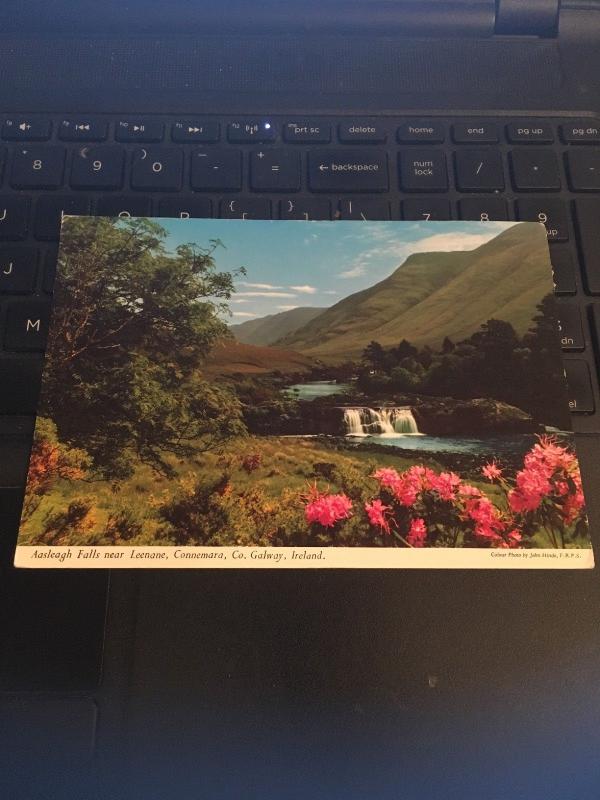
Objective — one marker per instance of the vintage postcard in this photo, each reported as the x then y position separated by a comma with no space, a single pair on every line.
222,393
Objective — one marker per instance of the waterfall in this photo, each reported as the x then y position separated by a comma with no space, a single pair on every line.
385,421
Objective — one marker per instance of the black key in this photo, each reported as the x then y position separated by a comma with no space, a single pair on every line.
483,209
38,168
563,270
275,171
307,131
481,132
569,327
158,169
124,206
20,129
196,131
479,171
49,271
15,437
582,131
583,169
579,386
139,131
82,130
98,168
429,209
20,379
27,325
529,132
50,211
348,171
185,207
245,208
421,130
587,215
550,211
2,159
535,170
313,208
423,171
247,132
18,268
217,170
14,216
361,130
366,208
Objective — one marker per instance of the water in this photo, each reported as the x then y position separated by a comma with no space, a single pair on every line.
389,421
312,391
492,445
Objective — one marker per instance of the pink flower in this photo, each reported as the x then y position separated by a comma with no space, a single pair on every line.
514,539
445,484
491,471
327,509
466,490
417,533
487,518
387,477
376,511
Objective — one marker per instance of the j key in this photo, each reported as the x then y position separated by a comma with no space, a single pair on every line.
423,171
579,386
157,169
479,171
124,206
38,168
14,217
583,169
583,131
420,130
82,130
430,209
529,133
275,171
535,170
217,170
17,129
27,325
97,168
313,208
139,131
245,208
348,171
20,379
307,131
362,130
246,132
563,269
18,268
185,207
195,131
50,211
482,132
569,327
587,214
364,209
551,212
483,209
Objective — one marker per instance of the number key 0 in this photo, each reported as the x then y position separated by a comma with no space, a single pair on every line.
97,168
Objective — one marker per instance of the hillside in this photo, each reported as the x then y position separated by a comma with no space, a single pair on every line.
434,295
235,358
269,329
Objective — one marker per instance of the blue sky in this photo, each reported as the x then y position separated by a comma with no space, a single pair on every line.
291,264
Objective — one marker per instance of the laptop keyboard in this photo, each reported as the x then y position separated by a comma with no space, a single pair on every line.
301,168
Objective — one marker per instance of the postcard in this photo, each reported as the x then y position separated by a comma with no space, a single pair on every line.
243,394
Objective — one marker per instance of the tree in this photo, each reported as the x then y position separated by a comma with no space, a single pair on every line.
447,345
375,356
132,326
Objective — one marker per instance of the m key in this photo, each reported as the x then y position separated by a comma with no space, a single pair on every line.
27,325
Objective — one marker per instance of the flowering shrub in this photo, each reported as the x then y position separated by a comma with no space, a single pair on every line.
421,508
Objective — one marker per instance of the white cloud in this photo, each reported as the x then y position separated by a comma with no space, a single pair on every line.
265,294
286,308
243,314
259,285
238,300
304,289
354,272
331,291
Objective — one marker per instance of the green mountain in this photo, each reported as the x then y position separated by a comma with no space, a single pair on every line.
267,330
434,295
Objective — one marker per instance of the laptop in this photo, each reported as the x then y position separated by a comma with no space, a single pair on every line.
343,684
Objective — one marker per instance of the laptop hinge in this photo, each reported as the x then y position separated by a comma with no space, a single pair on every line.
527,17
